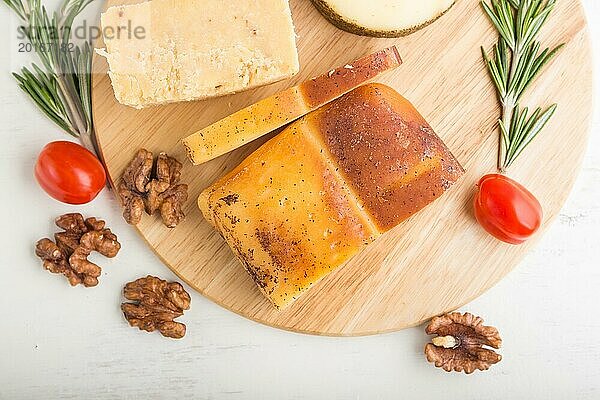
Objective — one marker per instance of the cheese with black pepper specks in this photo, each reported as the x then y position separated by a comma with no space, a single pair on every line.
284,107
312,197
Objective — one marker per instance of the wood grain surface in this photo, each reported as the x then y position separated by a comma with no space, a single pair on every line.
436,261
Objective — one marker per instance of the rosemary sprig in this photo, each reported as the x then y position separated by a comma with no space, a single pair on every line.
61,88
514,64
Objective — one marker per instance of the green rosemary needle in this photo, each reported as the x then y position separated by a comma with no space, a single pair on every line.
515,63
61,88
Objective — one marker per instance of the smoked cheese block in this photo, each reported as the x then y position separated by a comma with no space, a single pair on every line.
328,185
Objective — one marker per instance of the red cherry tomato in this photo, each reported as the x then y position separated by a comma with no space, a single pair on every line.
507,210
69,172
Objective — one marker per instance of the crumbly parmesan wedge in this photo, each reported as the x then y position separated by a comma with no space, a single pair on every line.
164,51
282,108
316,194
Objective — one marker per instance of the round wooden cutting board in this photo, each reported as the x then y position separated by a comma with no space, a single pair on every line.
438,260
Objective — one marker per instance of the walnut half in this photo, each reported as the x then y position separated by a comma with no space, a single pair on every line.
459,343
68,253
155,304
153,186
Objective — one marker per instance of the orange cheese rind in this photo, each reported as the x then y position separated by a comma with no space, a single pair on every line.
284,107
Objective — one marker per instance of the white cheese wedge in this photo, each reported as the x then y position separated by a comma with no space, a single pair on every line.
382,18
164,51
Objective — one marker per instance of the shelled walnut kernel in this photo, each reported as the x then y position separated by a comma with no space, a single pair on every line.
68,253
156,303
153,187
459,343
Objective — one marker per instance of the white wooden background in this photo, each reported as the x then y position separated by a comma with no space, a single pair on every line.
62,342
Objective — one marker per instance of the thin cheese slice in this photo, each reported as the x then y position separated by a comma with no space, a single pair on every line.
164,51
282,108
